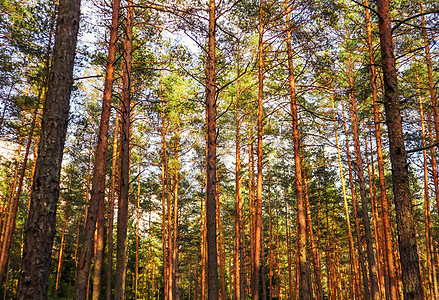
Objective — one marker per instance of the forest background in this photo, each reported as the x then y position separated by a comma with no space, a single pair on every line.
220,149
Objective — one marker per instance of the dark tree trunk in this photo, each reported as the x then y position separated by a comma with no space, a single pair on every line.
122,208
411,275
40,226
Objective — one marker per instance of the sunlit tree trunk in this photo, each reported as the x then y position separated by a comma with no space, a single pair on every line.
258,209
366,292
61,247
317,267
95,209
431,268
353,263
305,288
111,208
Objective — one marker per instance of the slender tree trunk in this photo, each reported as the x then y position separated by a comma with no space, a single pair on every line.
238,258
220,243
317,267
364,201
8,234
431,268
366,292
270,246
40,226
411,276
95,209
431,82
212,262
258,212
353,263
136,281
374,206
61,248
305,288
111,208
122,209
175,275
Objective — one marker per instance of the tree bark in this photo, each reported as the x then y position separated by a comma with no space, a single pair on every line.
212,262
411,275
111,208
40,226
95,209
122,209
352,260
374,290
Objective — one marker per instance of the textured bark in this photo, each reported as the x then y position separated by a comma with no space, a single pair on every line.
388,250
212,262
411,276
40,226
122,208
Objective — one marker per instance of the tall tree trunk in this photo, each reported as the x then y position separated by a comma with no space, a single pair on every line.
352,260
375,219
40,226
61,247
411,275
220,243
366,291
122,209
13,205
258,211
317,267
305,288
388,257
111,208
136,280
164,186
238,258
431,268
431,82
212,262
175,279
96,206
364,201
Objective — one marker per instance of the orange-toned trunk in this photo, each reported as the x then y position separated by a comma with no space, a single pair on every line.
354,271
